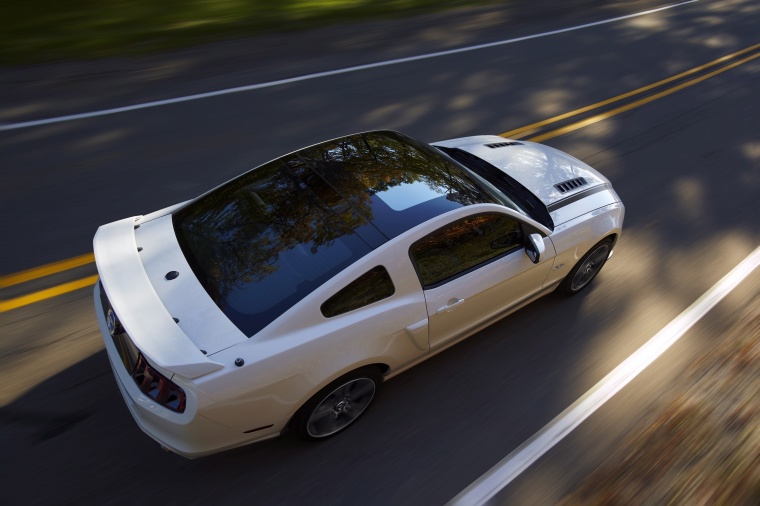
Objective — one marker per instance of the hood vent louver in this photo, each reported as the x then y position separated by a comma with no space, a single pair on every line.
495,145
571,184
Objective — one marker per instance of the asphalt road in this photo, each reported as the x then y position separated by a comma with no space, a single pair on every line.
687,167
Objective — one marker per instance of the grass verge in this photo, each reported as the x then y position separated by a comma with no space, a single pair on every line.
35,31
703,445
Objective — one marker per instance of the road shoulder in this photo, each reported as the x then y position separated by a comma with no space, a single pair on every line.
686,431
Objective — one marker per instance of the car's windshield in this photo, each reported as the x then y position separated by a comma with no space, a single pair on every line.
394,182
512,193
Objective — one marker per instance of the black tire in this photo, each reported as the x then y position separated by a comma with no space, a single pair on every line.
587,268
337,406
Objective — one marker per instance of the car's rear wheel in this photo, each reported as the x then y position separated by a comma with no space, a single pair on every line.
587,268
338,405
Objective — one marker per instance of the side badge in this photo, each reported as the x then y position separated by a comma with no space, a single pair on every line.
558,267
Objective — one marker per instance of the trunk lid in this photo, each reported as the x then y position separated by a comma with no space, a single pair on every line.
146,302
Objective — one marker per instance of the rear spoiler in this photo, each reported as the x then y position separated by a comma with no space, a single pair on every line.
138,307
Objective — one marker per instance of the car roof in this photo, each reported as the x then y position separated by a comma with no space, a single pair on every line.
387,180
260,243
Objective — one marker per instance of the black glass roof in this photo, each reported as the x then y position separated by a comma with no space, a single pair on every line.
392,181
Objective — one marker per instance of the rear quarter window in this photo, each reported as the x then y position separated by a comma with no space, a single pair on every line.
372,286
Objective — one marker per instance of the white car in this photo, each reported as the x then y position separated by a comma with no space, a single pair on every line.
284,297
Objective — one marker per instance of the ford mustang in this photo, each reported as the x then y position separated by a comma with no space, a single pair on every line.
283,298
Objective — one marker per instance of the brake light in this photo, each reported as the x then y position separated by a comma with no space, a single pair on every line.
156,386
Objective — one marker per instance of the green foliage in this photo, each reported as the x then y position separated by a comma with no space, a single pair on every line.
47,30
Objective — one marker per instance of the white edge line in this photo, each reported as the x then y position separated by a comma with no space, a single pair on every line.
499,476
251,87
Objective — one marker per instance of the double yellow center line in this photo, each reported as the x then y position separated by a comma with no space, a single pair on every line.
540,137
536,132
44,271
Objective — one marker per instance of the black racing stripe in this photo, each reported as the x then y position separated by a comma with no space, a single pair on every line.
576,197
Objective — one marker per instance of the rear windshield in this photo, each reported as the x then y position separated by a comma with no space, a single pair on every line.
262,242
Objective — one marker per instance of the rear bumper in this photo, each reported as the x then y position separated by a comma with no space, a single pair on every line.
189,433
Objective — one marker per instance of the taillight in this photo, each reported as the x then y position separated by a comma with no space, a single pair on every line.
156,386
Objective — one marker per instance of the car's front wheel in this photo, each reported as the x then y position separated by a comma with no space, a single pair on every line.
587,268
338,405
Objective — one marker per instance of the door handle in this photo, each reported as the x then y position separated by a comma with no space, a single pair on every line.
450,305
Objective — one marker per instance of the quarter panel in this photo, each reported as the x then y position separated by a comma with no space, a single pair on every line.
280,374
302,351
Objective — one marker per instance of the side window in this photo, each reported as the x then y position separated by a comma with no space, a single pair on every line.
463,245
372,286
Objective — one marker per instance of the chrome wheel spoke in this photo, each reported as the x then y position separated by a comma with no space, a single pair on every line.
361,389
324,416
323,411
342,391
333,423
353,410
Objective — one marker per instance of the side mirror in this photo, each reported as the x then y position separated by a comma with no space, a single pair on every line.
535,247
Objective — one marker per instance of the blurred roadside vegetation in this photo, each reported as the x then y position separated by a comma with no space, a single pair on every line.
700,444
34,31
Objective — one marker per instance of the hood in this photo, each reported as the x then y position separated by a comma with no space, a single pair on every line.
537,167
